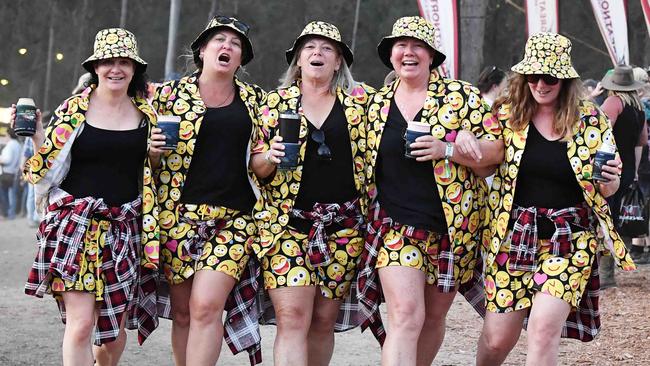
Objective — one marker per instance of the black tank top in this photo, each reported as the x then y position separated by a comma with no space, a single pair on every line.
326,181
546,179
406,188
218,174
627,130
107,164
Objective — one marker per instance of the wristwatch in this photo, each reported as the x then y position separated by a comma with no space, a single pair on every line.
449,150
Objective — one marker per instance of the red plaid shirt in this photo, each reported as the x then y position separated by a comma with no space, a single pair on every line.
322,215
369,288
523,247
129,288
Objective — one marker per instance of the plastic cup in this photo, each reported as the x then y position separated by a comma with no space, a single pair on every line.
289,124
413,131
170,126
25,124
290,158
605,153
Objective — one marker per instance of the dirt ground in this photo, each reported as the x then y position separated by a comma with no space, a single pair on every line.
30,328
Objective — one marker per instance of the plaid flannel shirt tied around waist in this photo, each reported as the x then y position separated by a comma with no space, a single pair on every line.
72,217
523,247
325,214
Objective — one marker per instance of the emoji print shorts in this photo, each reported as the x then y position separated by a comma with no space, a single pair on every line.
402,250
286,264
207,237
91,276
564,276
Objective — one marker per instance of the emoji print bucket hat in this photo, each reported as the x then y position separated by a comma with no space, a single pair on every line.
114,42
221,21
547,53
412,27
325,30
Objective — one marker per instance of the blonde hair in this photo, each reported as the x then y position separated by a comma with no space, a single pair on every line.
342,78
523,105
627,98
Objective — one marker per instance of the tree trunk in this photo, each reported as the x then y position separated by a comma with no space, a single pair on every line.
213,9
472,28
356,25
123,13
83,21
174,14
49,58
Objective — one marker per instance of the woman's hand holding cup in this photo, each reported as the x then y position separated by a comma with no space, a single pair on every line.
156,142
427,148
39,136
611,172
276,150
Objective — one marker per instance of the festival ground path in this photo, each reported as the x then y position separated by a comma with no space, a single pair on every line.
30,328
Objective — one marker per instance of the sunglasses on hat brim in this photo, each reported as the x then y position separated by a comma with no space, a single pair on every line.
243,27
548,79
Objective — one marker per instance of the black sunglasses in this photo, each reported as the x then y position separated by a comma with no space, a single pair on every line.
548,79
238,24
324,152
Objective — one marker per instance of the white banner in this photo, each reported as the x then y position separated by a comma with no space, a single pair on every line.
612,21
443,14
645,5
542,16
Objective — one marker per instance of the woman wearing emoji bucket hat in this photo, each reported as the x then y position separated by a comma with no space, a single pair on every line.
206,193
541,268
311,221
425,207
93,179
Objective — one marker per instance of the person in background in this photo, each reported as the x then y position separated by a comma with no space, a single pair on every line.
546,211
33,218
97,253
82,83
643,244
594,91
9,175
492,82
627,117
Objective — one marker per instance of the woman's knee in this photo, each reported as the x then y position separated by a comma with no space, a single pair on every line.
293,317
543,334
181,315
80,328
406,314
205,310
499,342
322,322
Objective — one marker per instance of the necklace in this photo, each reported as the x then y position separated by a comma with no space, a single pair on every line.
224,101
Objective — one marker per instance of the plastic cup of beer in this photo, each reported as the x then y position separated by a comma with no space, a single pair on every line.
25,124
603,154
413,131
170,126
289,125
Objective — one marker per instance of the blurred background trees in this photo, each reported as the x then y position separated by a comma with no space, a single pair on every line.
60,33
